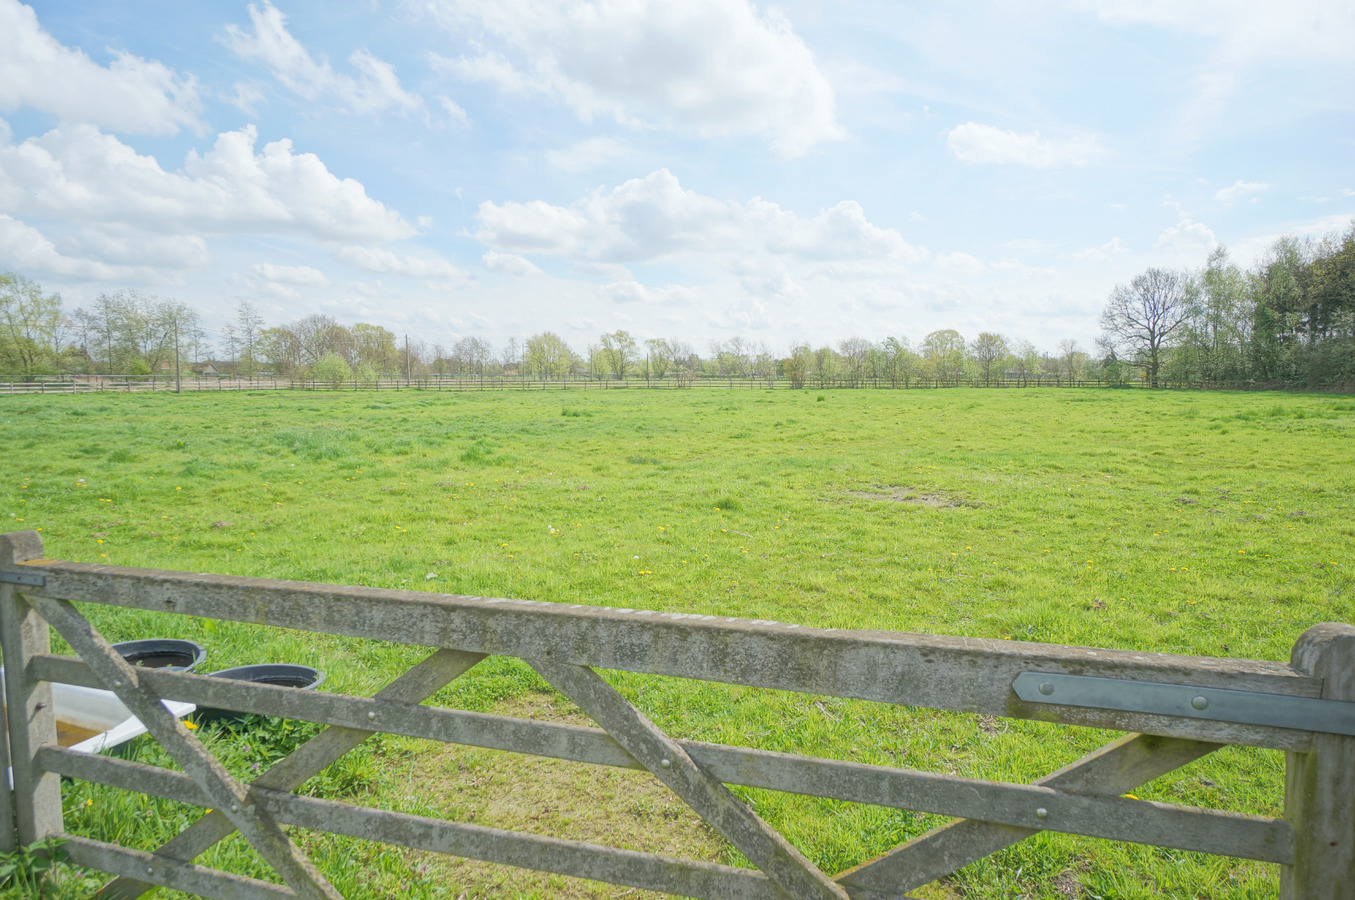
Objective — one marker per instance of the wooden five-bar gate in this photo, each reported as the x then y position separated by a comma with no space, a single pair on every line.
1175,709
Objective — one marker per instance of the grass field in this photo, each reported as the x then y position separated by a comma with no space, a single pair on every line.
1211,524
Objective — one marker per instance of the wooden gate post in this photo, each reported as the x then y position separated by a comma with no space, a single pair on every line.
28,703
1319,786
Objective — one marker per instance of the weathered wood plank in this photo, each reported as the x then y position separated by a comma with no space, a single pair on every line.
412,687
28,701
704,793
965,674
1016,805
1320,784
222,790
170,873
650,871
1111,770
1249,837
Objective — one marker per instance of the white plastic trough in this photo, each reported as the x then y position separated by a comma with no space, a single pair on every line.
103,713
99,714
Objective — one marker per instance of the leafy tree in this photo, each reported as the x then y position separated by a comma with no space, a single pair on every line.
1219,324
901,362
32,327
826,364
281,349
616,352
375,348
548,354
658,357
332,369
1025,360
943,353
797,367
1143,315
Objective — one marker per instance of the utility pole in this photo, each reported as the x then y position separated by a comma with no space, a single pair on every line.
406,359
178,382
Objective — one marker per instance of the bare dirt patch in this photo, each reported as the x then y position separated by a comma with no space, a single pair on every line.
554,798
898,493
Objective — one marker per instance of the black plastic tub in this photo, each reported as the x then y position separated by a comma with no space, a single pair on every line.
279,674
162,653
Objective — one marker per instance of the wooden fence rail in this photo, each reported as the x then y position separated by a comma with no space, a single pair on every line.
1314,843
135,384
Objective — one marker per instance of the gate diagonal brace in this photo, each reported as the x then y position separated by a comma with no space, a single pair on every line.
416,685
1119,766
227,794
711,800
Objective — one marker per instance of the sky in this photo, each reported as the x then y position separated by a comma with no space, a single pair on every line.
798,172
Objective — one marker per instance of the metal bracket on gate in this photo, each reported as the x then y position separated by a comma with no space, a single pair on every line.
1215,704
23,578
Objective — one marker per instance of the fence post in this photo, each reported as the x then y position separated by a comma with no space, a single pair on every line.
28,703
1319,784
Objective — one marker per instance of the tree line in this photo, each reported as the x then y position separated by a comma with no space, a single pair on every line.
1289,320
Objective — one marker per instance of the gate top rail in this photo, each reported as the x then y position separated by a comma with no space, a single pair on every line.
941,672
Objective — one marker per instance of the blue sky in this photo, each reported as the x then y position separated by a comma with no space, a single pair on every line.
797,172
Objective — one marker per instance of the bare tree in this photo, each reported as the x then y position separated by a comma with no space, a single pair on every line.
1142,315
853,352
1072,360
511,355
682,354
470,354
249,325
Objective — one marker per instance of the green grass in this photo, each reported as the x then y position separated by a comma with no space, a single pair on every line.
1211,524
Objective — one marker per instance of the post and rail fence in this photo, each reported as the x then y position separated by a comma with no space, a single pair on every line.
1174,709
137,384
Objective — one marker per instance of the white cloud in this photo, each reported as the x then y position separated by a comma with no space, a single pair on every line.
1246,35
133,246
509,264
709,67
655,217
384,262
589,154
1248,29
981,144
959,262
246,98
90,178
624,292
303,275
1110,249
455,114
25,249
131,94
1238,190
1187,238
375,90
